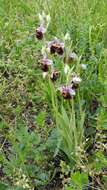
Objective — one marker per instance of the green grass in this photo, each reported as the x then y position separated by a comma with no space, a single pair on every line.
24,96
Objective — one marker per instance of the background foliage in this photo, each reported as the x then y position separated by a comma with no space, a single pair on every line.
28,141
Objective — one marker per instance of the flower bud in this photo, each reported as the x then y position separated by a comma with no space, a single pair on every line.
76,80
72,57
54,75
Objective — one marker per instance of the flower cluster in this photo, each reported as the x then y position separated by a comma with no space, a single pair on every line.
58,47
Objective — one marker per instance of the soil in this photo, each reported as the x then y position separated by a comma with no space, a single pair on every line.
56,183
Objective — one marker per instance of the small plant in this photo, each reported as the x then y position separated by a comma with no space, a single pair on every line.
70,131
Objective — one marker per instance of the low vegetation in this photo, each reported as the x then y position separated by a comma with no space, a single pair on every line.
53,95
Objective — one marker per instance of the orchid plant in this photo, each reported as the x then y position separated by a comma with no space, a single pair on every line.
64,83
